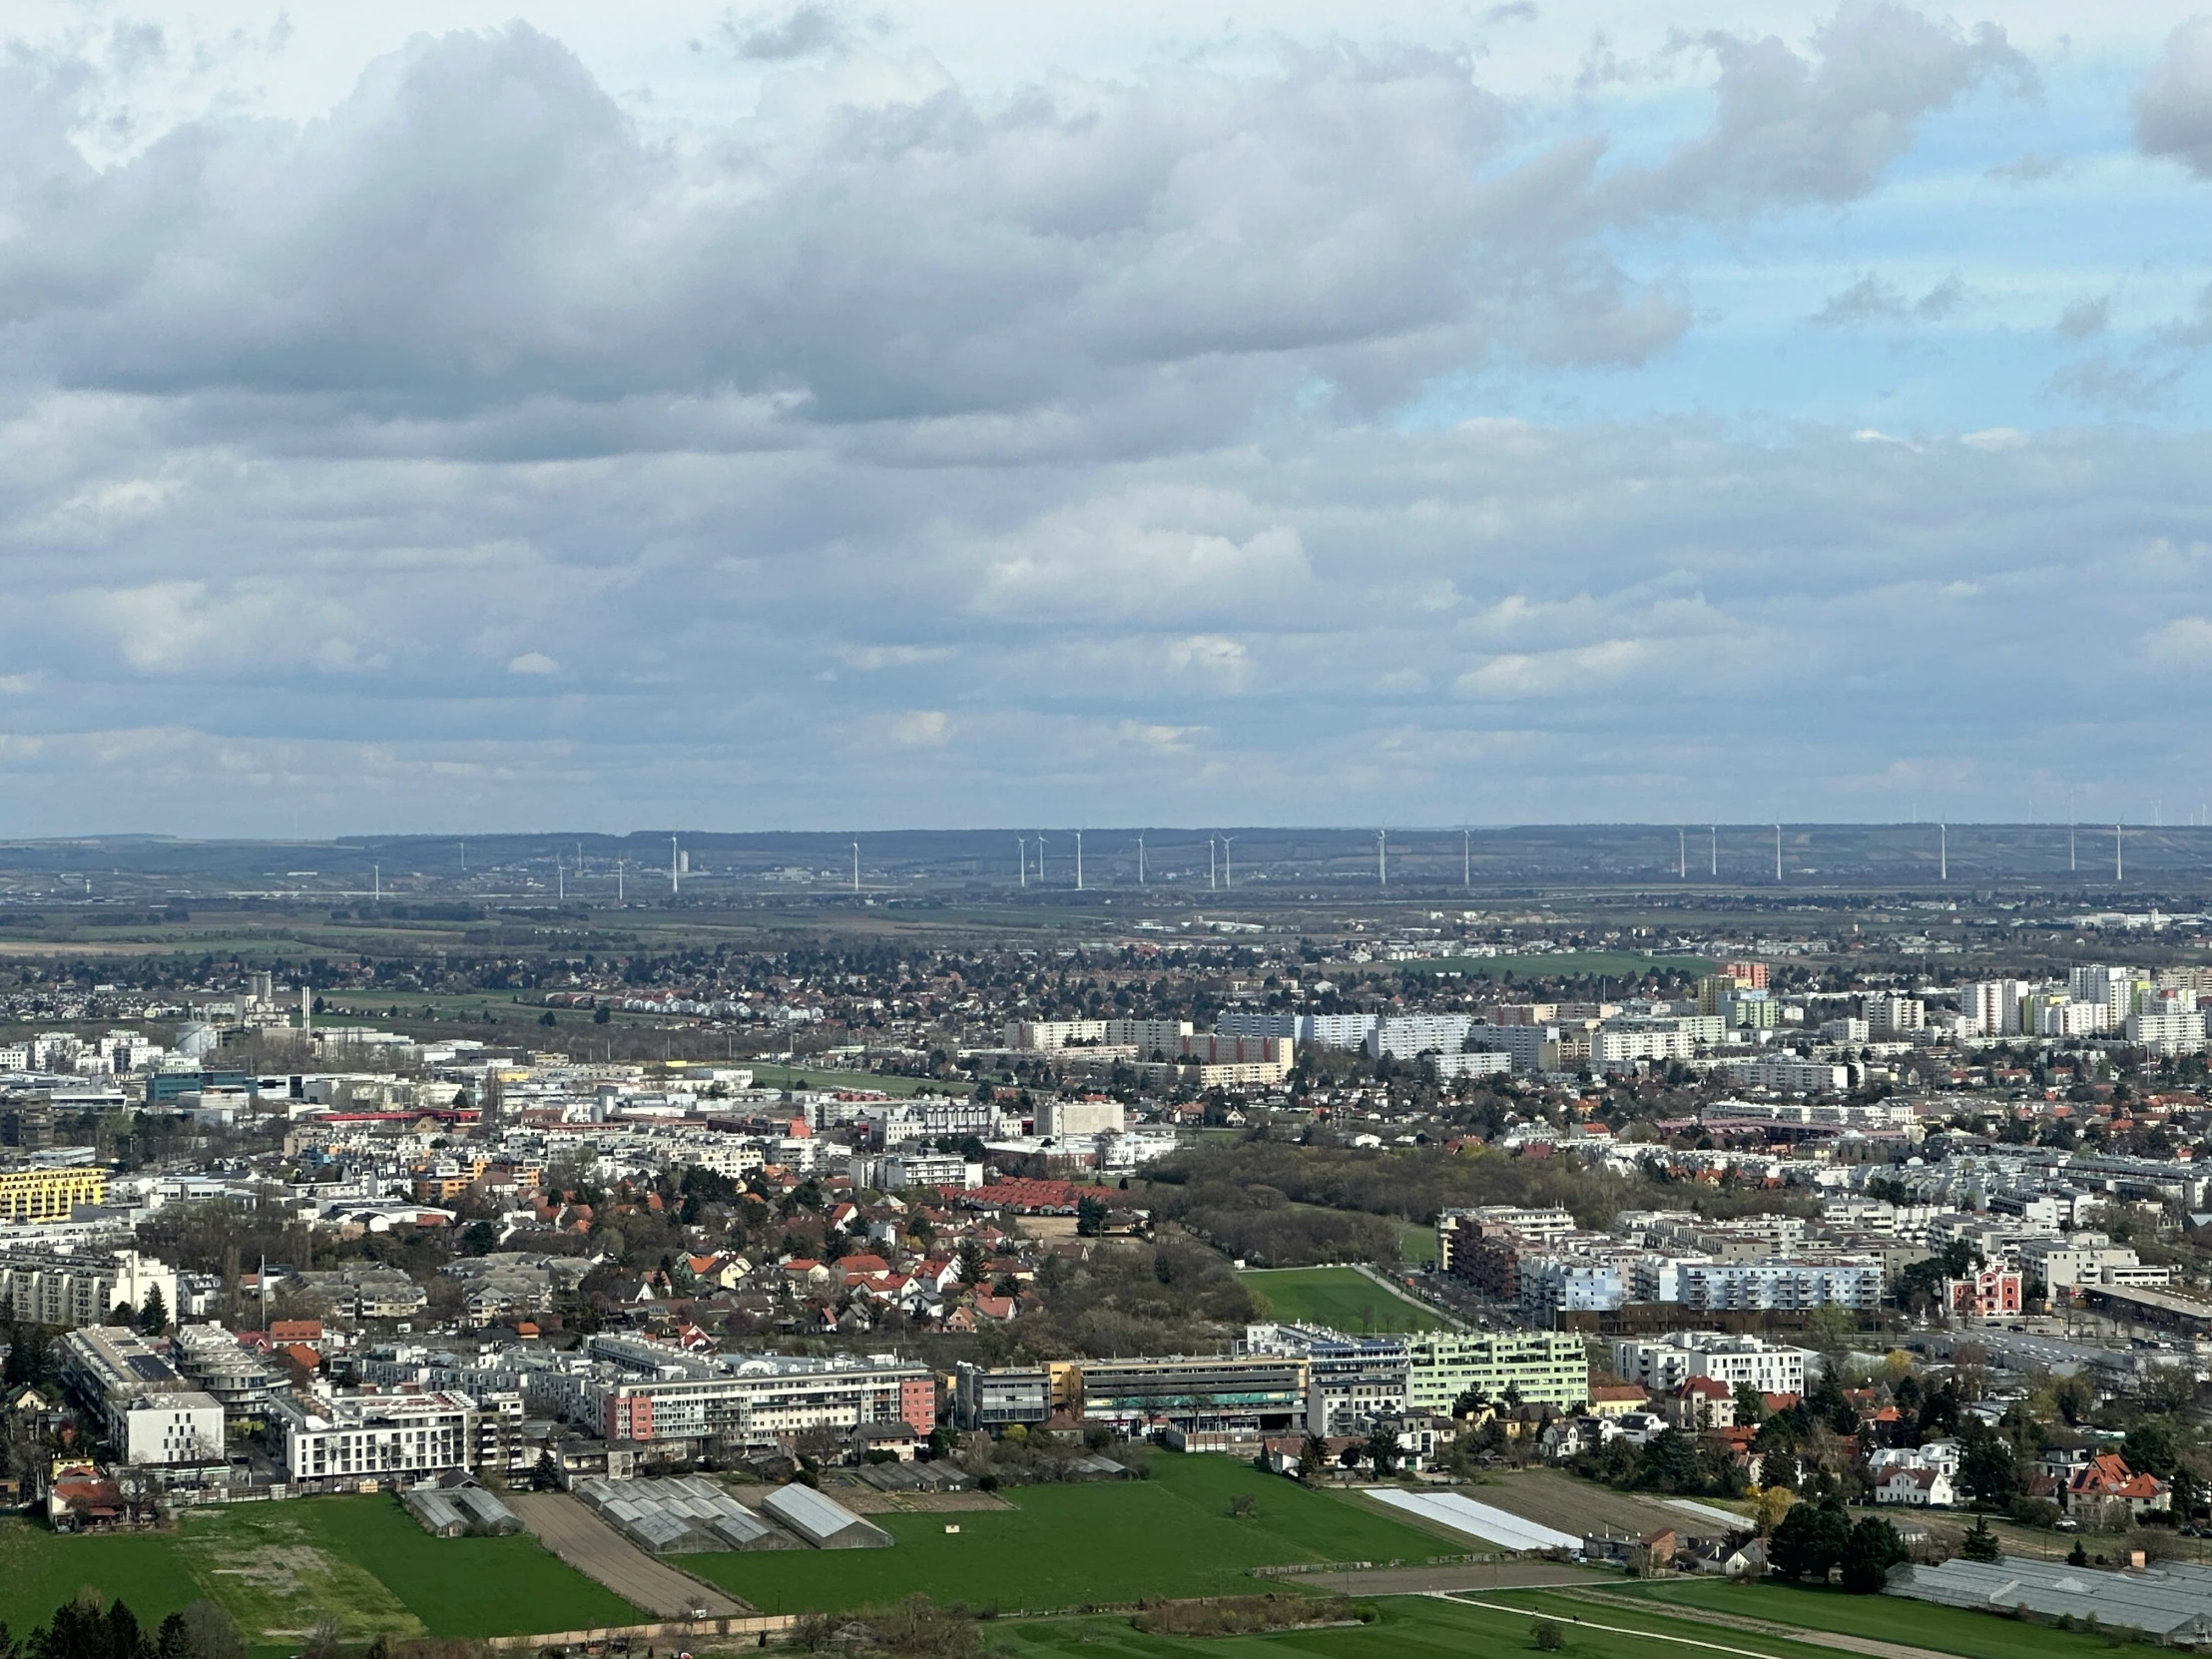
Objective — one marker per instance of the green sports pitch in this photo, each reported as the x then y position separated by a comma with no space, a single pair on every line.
1343,1299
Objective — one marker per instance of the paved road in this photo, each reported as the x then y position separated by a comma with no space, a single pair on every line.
597,1550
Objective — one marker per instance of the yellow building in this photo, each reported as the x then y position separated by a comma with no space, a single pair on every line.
48,1195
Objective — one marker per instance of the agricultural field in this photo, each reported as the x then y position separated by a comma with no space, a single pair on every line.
279,1569
1341,1298
1552,1499
1065,1546
1884,1618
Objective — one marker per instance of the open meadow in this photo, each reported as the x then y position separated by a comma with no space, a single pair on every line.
1343,1299
1067,1546
279,1569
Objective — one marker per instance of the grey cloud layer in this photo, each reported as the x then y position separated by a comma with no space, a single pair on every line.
476,455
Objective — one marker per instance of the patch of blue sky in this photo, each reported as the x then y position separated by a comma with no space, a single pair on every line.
1934,304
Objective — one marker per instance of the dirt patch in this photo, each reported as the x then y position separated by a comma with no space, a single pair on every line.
597,1550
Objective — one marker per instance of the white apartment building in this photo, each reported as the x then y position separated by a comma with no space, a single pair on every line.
2175,1032
378,1437
645,1391
171,1428
1895,1016
1719,1287
2111,987
2079,1258
1530,1047
1404,1035
1665,1363
2056,1014
1992,1007
70,1289
1620,1044
1789,1074
1059,1119
1552,1284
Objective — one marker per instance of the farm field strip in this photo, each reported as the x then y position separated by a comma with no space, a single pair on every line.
1884,1619
1477,1521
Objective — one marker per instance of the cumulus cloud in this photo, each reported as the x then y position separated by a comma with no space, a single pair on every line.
1822,126
2173,106
2085,319
777,35
922,729
528,460
1869,299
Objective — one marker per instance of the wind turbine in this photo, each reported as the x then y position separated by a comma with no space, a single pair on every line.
560,879
1210,871
1942,852
2117,874
1140,861
1382,858
1078,860
1778,853
1466,859
1228,870
675,864
1715,849
1681,854
621,864
1040,858
856,866
1021,855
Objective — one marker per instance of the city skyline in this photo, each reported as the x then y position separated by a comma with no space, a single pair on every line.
809,415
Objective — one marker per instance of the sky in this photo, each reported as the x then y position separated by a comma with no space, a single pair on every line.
445,418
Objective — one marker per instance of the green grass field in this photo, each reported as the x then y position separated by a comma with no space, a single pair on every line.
1340,1297
1065,1546
1886,1619
281,1568
39,1571
462,1586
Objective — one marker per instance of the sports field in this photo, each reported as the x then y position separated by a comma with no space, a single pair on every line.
1065,1546
281,1568
1343,1299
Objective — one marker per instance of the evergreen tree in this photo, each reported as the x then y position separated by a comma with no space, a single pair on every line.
1873,1549
1981,1544
154,1317
1810,1541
